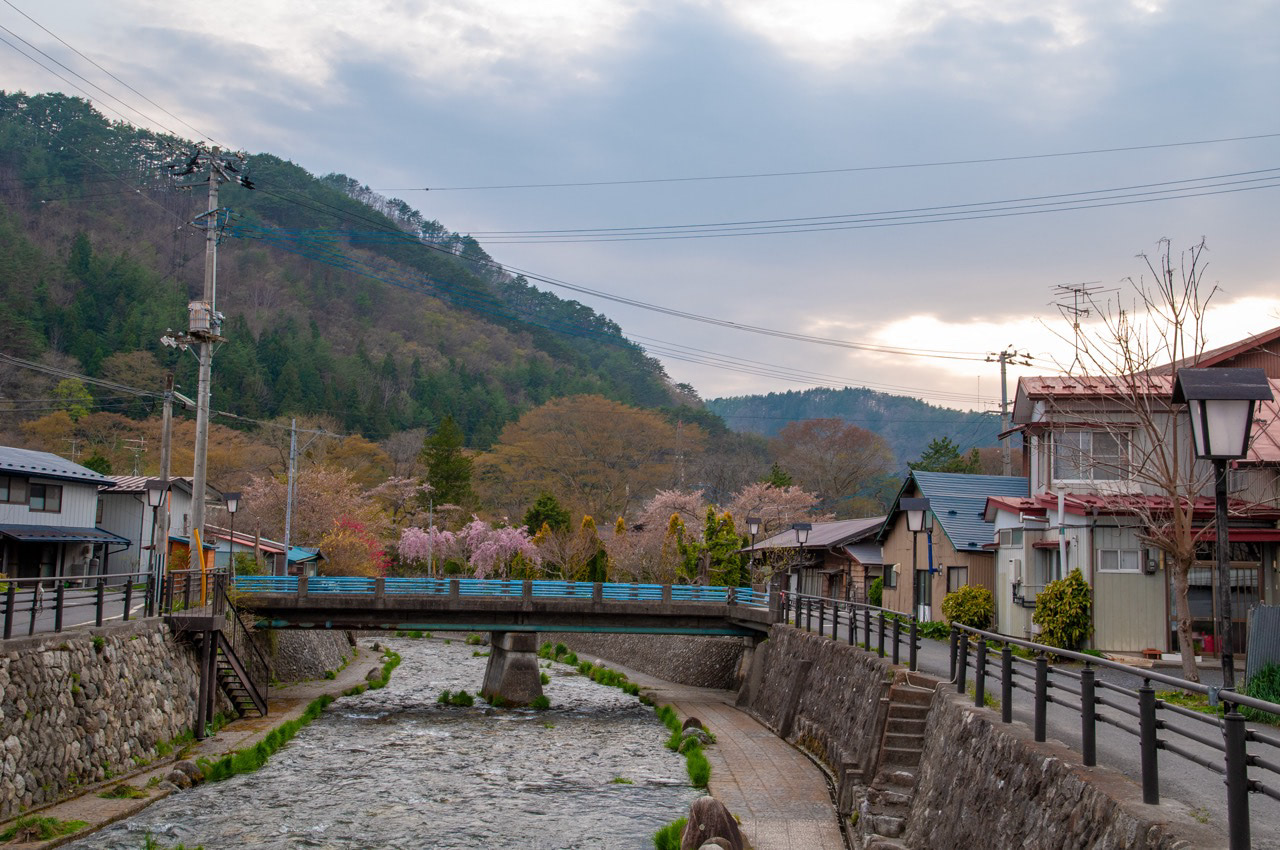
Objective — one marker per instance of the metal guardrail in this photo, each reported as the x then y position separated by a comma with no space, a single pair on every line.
1235,747
242,644
877,624
503,588
32,599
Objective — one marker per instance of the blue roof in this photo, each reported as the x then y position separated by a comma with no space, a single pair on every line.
46,465
959,501
303,554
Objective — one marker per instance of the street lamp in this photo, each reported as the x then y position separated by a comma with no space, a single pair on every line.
1220,403
156,489
232,503
919,519
753,528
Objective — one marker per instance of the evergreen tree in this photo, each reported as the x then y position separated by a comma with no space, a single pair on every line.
546,511
448,466
942,455
778,477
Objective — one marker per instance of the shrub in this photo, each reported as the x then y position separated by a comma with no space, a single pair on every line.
544,678
668,838
875,593
541,702
1062,612
36,828
474,639
971,605
934,629
699,768
1265,684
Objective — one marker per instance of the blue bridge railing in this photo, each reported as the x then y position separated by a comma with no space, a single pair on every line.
471,587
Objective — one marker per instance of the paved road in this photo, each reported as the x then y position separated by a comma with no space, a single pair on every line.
79,608
1181,781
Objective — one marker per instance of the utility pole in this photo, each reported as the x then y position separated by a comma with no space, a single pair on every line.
1004,358
288,501
205,322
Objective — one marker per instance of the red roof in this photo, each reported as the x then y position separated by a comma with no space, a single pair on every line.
1120,504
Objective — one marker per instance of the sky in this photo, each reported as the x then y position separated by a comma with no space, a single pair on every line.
873,119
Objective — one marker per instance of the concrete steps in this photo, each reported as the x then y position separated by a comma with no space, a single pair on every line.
883,813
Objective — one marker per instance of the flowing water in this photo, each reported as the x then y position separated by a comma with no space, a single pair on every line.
392,769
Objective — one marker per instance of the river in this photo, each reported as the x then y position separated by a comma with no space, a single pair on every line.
392,769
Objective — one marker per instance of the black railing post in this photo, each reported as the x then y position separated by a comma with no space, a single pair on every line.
853,625
1237,779
1042,698
10,600
897,640
168,593
59,605
36,593
866,626
955,644
1150,744
914,637
822,613
980,676
962,663
881,630
128,597
1088,716
1006,684
835,621
99,602
186,592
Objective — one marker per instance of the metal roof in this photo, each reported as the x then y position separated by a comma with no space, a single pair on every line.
868,554
59,534
46,465
824,534
958,503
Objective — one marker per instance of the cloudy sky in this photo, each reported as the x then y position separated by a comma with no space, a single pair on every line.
873,119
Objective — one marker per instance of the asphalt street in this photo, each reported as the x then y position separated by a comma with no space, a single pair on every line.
79,608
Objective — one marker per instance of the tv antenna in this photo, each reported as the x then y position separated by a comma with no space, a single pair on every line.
1076,300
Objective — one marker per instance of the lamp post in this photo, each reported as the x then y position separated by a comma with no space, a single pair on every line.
753,528
801,530
232,503
1220,403
156,490
918,519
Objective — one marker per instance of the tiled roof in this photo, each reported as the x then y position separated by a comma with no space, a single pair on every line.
1223,353
959,502
46,465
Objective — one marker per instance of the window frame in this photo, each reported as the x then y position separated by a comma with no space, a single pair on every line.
955,570
1086,463
891,576
1120,554
44,498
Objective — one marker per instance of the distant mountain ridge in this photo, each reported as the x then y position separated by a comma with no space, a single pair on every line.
908,424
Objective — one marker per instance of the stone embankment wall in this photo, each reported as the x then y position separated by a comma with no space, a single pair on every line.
81,706
985,784
298,656
704,662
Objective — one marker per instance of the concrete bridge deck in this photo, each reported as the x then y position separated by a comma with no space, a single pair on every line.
430,604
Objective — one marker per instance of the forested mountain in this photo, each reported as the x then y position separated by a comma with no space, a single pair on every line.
338,301
908,424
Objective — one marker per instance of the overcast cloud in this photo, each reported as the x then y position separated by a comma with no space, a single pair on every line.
406,95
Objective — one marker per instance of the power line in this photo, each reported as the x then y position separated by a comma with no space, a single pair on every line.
111,75
854,169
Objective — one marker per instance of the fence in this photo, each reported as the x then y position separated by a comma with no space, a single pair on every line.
1222,744
887,623
43,603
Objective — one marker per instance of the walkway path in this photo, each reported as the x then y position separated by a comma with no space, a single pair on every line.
780,796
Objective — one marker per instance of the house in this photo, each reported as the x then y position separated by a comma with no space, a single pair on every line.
302,560
125,512
48,517
923,567
1093,505
838,560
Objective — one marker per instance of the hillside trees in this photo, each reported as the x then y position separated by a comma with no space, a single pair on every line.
596,455
942,455
838,461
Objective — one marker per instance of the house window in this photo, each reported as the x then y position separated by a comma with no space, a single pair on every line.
957,577
13,490
891,575
1083,455
46,498
1011,537
1120,560
97,516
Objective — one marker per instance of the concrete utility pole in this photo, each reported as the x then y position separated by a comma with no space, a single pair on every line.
288,499
205,322
1004,358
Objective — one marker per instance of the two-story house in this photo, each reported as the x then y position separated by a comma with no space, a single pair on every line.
1097,450
923,567
48,517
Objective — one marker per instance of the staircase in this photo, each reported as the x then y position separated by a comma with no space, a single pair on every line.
882,817
235,682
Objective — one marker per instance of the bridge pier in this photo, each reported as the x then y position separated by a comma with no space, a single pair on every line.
512,672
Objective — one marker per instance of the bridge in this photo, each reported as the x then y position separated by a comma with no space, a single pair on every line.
503,605
512,611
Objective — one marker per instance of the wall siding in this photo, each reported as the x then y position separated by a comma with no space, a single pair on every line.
1129,612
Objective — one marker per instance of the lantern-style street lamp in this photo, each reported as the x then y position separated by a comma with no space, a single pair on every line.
156,490
919,518
231,501
1220,403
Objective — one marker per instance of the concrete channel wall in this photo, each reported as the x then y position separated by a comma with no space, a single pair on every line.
703,662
